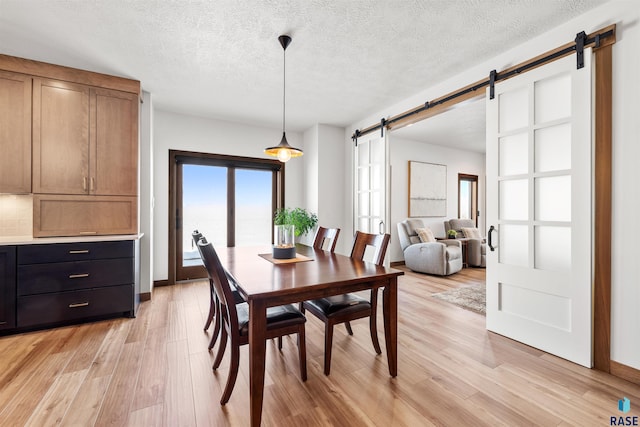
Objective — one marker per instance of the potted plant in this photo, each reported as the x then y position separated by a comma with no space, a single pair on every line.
288,224
452,234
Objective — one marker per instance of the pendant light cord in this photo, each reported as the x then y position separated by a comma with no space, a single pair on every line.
284,86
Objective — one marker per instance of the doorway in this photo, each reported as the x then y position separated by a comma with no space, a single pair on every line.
468,197
230,200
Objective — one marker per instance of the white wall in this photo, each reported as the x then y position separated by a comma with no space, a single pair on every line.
145,208
324,179
457,161
625,339
189,133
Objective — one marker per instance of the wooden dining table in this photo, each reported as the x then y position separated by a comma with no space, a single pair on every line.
264,282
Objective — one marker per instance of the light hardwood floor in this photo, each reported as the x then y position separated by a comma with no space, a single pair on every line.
155,370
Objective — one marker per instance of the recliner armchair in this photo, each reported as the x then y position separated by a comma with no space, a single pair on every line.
476,248
443,257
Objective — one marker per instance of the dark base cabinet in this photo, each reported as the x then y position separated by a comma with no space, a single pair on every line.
7,287
69,282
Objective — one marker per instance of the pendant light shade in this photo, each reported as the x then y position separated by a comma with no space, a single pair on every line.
283,151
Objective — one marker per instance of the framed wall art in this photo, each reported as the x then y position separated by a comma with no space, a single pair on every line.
427,189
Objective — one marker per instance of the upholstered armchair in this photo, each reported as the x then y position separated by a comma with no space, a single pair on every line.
476,247
442,257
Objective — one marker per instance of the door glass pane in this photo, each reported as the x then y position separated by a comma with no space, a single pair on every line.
514,245
363,203
254,210
376,148
513,110
363,154
204,202
553,248
553,148
376,207
513,154
514,199
363,178
553,198
376,177
553,98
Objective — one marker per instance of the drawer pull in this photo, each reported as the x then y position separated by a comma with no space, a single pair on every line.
78,276
79,304
88,232
80,251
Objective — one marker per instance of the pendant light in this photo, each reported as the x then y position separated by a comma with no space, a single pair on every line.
283,151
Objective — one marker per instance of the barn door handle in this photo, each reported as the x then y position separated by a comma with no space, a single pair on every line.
492,228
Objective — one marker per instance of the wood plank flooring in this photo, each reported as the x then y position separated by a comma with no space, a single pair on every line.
155,370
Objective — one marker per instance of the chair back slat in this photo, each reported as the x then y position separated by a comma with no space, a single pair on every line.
379,242
218,277
326,234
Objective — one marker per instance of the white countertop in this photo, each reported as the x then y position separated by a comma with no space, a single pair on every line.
30,240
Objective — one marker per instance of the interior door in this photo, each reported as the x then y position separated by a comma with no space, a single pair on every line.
371,210
539,209
372,206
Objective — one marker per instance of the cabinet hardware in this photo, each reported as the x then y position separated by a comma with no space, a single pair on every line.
84,183
78,276
79,251
92,185
80,304
88,232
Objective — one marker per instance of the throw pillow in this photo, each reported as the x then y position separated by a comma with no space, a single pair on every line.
471,233
425,235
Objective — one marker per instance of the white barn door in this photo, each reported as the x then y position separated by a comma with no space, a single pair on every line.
539,209
371,205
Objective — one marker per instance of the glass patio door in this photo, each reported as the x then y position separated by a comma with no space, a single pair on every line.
539,209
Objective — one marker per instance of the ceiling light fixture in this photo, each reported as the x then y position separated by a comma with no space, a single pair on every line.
283,151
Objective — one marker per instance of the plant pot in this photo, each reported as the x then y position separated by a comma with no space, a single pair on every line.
284,246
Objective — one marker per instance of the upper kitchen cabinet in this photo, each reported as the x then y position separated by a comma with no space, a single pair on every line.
113,143
60,137
70,137
84,140
15,133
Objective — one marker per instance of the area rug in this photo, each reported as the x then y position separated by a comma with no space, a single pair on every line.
468,297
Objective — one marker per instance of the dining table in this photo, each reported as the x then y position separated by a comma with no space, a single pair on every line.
266,282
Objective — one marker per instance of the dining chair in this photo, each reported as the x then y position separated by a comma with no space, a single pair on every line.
213,298
281,320
327,236
344,308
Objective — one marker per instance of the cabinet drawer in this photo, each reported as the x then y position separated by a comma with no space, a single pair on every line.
70,276
63,252
44,309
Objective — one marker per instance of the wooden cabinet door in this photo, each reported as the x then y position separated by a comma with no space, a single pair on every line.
114,143
60,137
15,133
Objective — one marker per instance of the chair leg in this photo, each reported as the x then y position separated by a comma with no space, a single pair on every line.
221,347
279,343
302,353
233,373
372,321
328,342
212,312
217,325
348,326
374,333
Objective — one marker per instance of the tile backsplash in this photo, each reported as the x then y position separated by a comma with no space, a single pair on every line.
16,215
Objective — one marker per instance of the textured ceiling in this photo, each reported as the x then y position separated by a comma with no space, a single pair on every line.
221,59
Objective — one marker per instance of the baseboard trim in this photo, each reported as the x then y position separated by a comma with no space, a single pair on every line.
160,283
625,372
145,296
